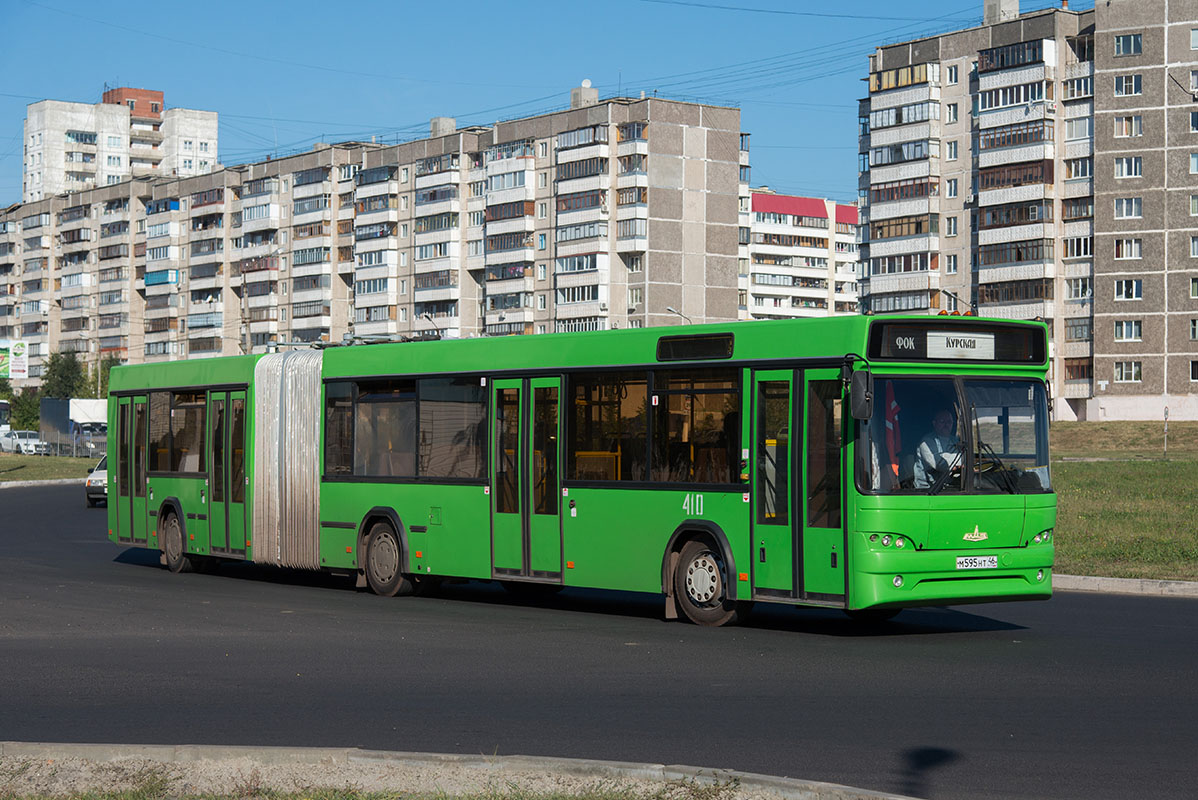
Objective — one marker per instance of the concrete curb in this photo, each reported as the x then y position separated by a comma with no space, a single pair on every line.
787,788
1142,586
54,482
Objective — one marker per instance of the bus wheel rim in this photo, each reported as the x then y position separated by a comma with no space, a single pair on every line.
384,557
703,581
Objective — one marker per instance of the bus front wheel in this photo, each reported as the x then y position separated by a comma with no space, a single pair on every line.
173,546
383,562
701,585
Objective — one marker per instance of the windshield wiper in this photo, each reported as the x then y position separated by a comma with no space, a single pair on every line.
1008,479
942,479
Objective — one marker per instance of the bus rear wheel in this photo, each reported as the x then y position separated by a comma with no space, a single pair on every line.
173,546
701,585
383,562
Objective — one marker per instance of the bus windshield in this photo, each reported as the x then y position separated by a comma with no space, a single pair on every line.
946,435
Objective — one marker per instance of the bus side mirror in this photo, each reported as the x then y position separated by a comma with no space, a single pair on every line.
861,398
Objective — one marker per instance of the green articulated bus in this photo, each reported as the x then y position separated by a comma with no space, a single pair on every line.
862,463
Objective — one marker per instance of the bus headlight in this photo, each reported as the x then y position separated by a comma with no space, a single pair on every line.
886,540
900,542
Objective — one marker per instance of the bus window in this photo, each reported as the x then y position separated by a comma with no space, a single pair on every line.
773,452
338,428
160,432
696,433
187,432
607,427
889,453
1008,423
453,428
385,429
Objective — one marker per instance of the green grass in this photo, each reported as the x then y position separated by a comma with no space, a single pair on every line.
1123,509
1126,519
42,468
1123,439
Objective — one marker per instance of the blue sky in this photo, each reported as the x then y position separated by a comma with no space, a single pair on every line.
284,76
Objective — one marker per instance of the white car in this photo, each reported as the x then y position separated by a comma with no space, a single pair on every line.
23,442
96,485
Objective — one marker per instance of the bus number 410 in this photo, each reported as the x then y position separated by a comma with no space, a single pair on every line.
693,504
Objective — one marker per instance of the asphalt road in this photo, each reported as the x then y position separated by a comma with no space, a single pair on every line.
1084,696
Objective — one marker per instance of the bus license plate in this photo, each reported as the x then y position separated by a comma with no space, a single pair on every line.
977,562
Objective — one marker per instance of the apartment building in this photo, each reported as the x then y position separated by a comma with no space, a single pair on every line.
1044,165
620,213
798,257
130,133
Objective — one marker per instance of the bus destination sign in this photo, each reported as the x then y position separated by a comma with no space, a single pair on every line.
958,344
934,341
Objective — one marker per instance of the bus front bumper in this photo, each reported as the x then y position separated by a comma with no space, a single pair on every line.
943,577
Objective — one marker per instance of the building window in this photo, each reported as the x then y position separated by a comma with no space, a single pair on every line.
1194,38
1081,128
403,175
1129,44
952,75
1078,168
542,208
541,270
950,226
950,265
950,112
540,241
1133,166
1127,85
1129,248
1194,247
1194,370
1194,330
1194,122
187,144
1128,330
1129,126
952,151
1128,208
1078,329
1127,372
542,180
1194,163
1193,288
1129,289
950,187
541,297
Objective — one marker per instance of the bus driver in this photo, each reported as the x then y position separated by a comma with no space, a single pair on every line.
940,450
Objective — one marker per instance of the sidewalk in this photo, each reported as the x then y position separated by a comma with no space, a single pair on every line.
216,769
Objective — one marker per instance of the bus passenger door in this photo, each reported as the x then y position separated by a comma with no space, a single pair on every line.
218,475
141,436
123,470
823,540
774,480
235,470
525,479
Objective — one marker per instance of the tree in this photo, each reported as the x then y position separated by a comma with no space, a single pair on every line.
5,389
100,375
64,376
26,410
